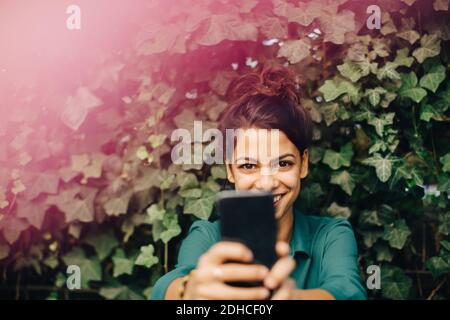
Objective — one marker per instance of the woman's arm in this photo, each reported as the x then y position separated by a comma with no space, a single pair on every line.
312,294
172,292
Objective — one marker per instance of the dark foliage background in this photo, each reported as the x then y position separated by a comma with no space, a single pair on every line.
87,178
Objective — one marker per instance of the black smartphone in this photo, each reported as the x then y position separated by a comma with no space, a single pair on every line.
248,217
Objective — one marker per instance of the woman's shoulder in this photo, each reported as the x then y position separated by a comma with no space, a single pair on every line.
211,229
321,226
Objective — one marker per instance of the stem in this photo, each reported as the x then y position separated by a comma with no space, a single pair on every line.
18,286
324,61
414,119
424,247
419,20
434,151
435,290
424,272
166,257
12,204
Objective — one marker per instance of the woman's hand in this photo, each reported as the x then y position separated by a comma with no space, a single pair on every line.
279,275
207,281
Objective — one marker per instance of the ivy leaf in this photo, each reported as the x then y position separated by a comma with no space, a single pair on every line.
379,122
103,243
165,179
338,211
445,160
409,89
155,212
201,208
227,27
18,187
371,237
396,234
76,202
219,172
191,193
90,268
272,28
336,25
428,112
445,244
12,227
303,14
370,218
213,106
118,205
38,183
441,5
33,211
146,257
438,266
383,253
295,50
388,98
416,94
156,140
89,165
77,108
383,166
430,47
344,180
331,91
120,292
172,228
433,78
374,95
409,35
409,2
122,264
396,284
352,70
4,251
219,84
186,180
402,58
335,160
388,71
444,226
329,112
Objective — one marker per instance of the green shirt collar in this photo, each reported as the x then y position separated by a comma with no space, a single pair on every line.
301,237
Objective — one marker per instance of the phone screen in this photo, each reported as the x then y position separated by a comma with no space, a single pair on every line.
249,217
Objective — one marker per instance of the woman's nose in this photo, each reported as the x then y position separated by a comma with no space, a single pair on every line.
267,180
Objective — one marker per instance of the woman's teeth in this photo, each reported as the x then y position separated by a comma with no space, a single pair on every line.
277,198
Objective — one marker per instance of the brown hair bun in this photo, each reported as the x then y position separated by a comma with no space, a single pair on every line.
273,80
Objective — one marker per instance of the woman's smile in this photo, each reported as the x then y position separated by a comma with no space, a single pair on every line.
278,172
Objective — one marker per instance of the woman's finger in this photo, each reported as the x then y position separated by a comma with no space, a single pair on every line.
220,291
280,271
282,248
239,272
226,250
286,291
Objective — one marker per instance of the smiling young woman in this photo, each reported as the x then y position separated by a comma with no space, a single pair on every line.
317,255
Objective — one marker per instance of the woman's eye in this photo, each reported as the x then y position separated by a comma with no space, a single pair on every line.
284,164
247,166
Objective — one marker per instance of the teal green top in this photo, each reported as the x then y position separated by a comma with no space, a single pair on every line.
324,248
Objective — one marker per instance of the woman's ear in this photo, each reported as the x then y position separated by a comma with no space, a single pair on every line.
304,168
230,175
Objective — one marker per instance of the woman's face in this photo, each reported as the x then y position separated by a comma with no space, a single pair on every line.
267,160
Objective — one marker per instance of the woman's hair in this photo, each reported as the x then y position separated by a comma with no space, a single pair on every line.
268,100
